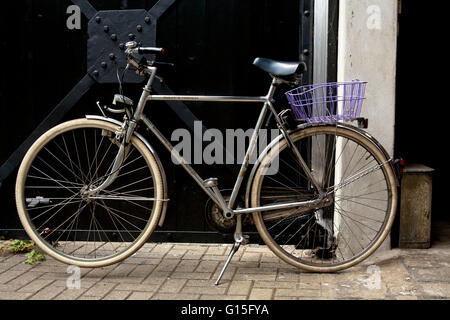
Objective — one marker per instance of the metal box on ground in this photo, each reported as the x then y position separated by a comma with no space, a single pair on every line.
415,207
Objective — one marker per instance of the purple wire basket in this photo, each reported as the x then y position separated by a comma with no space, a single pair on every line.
327,102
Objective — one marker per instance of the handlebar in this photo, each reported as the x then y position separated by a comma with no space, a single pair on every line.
141,64
132,48
149,50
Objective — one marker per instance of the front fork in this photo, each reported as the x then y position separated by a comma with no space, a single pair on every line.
124,137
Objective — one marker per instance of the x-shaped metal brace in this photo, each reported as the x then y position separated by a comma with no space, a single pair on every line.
108,31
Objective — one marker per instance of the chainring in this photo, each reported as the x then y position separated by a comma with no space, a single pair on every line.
215,219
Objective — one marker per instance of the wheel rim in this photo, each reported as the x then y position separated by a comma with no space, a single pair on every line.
87,230
337,236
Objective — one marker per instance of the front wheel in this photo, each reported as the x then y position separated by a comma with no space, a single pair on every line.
361,198
73,226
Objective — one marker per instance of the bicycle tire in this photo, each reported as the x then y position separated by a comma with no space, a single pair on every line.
322,246
58,166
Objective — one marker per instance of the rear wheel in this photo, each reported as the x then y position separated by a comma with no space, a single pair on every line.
95,230
360,186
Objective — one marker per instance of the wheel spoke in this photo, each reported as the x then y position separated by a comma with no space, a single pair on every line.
93,229
358,198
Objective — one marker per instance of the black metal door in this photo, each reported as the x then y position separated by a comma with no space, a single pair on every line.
211,43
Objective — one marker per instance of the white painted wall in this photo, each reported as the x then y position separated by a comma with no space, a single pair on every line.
367,51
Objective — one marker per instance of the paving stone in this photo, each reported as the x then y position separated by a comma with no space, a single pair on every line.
146,248
99,273
200,283
191,275
297,292
205,290
9,287
402,289
172,285
207,266
167,265
261,294
15,259
122,272
229,273
137,295
187,266
9,275
436,289
19,267
250,256
288,298
156,278
425,261
84,284
240,288
83,297
12,295
163,248
217,250
287,275
100,289
175,296
269,257
35,286
176,253
221,297
193,254
47,293
42,267
210,257
406,298
117,295
431,274
255,274
275,284
141,271
244,264
55,276
189,271
71,294
137,287
25,278
258,249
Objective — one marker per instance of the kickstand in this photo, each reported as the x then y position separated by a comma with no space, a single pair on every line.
235,248
238,238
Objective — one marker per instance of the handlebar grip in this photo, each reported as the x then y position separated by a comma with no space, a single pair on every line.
150,50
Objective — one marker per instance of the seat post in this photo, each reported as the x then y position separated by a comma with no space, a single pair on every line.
272,88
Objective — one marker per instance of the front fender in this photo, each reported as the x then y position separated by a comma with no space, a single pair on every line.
149,147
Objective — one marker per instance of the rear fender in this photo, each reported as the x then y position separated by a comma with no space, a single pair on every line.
302,127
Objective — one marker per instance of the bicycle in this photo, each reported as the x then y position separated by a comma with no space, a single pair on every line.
91,191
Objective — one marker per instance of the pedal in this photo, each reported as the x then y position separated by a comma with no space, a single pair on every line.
213,184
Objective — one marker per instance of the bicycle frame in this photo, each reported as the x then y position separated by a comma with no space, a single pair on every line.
209,189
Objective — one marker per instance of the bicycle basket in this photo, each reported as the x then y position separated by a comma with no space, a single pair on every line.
327,102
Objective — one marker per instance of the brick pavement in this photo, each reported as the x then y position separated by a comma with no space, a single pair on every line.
187,271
